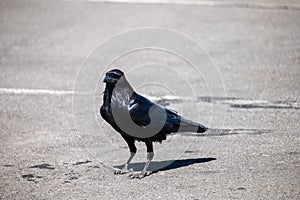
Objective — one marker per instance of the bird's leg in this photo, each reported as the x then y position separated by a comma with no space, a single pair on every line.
144,173
125,168
132,148
150,156
132,154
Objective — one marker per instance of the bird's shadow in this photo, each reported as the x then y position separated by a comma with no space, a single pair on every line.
157,166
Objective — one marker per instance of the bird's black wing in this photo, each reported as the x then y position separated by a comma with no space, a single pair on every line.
173,120
139,111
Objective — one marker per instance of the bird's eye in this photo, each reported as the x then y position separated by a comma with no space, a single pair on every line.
114,75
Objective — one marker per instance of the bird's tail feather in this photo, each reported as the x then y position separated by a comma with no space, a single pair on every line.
190,126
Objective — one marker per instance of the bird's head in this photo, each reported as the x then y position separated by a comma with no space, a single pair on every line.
113,76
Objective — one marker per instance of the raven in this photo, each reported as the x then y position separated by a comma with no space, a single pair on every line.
137,118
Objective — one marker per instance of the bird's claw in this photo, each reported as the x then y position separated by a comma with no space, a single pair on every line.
139,175
122,171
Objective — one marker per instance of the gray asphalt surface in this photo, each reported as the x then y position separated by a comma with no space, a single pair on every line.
50,152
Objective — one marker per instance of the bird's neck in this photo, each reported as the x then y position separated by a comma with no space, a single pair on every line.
107,94
120,92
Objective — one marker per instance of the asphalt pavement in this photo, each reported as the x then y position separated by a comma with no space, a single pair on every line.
233,66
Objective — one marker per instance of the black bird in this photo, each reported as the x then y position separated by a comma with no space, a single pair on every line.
137,118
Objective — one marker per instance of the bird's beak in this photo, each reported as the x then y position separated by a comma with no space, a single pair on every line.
106,79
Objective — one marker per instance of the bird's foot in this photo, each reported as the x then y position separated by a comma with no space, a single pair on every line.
122,171
139,175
